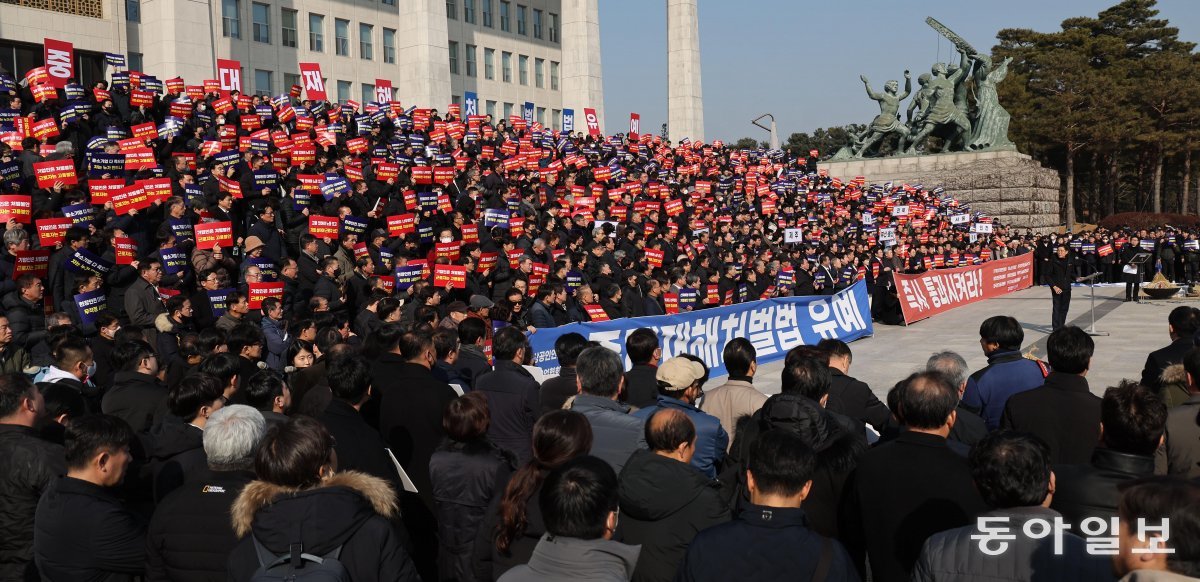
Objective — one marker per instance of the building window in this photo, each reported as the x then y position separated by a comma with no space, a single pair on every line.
506,66
453,58
343,90
261,18
231,22
523,69
262,82
553,29
470,58
491,109
456,99
553,75
556,119
133,10
389,46
489,64
290,37
508,107
537,23
366,41
341,37
291,80
368,93
316,33
539,77
452,9
469,11
521,20
505,26
486,6
135,61
541,115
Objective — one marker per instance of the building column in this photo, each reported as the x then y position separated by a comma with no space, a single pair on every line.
177,39
685,100
423,55
582,81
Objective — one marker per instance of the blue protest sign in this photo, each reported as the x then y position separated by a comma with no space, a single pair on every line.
90,305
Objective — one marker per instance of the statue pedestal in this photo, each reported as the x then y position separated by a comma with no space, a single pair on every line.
1007,185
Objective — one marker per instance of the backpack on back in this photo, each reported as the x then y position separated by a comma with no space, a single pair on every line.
297,566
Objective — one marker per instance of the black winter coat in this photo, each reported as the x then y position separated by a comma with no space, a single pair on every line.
490,563
176,452
514,405
854,398
641,386
28,322
664,519
134,398
1063,413
191,535
27,466
1083,491
359,447
351,510
901,493
82,532
466,477
411,404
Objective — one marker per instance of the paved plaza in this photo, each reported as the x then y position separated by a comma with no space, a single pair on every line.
895,351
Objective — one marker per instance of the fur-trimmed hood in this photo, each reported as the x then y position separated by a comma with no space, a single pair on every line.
163,323
1174,374
327,513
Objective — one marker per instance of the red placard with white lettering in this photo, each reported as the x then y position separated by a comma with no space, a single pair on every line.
593,122
260,291
129,198
453,275
671,303
596,312
102,190
229,75
36,263
126,250
324,227
56,171
15,206
145,131
214,233
401,224
44,129
635,125
314,85
654,258
60,61
52,231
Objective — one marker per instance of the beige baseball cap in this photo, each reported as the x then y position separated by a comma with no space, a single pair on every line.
680,373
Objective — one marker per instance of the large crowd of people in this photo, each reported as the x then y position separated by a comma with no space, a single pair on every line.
249,338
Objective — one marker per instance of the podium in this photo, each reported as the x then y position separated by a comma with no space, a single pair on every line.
1091,281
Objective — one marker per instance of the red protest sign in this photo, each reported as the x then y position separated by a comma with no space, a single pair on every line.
43,92
44,129
129,198
453,275
214,233
52,231
56,171
141,98
60,61
260,291
593,122
450,250
156,188
15,207
596,312
654,258
487,261
671,303
229,75
102,190
314,85
139,159
324,226
145,131
126,250
36,263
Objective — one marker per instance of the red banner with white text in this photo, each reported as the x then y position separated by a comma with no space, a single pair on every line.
937,291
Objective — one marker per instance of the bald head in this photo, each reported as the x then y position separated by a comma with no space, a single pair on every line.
669,429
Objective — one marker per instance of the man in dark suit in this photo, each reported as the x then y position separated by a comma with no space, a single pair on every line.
849,396
1182,325
1060,276
359,447
910,488
1131,273
641,385
1063,413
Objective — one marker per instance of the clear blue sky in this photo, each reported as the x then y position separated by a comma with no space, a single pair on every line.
800,59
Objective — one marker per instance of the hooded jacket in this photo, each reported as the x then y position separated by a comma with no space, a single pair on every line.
560,559
466,477
27,466
350,510
190,536
664,504
176,451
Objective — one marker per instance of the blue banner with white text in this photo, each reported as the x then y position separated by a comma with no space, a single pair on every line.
773,326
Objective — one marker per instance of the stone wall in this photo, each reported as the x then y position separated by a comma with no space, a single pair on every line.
1007,185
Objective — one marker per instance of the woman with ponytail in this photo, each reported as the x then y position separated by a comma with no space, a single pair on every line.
514,522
